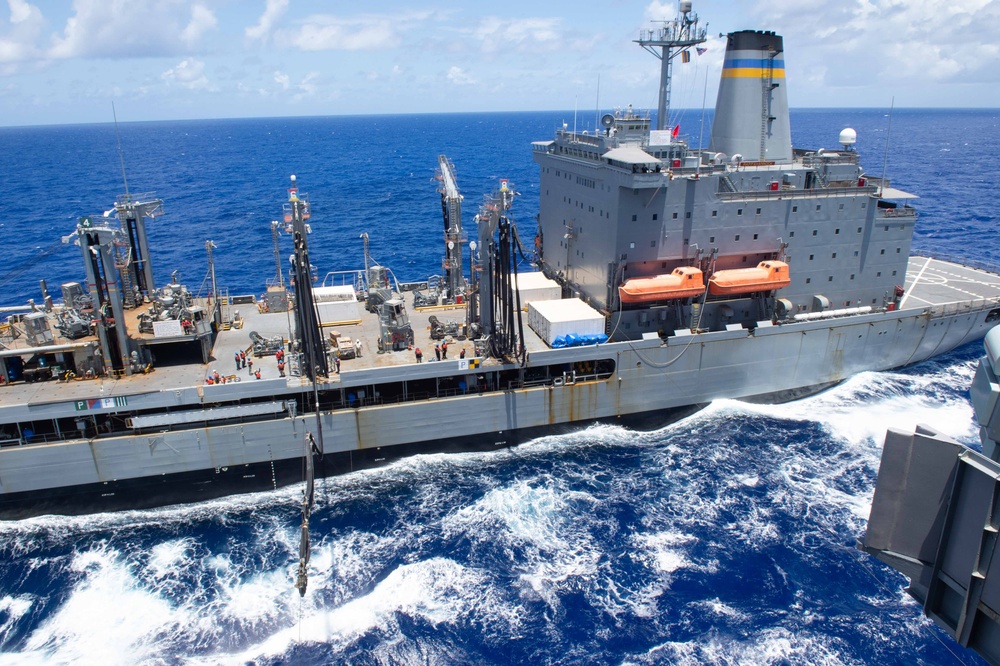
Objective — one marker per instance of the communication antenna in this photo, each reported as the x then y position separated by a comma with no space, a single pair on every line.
675,36
121,153
701,136
597,102
885,158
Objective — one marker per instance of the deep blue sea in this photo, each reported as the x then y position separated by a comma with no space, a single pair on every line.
725,538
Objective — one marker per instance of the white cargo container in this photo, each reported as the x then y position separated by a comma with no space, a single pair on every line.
554,319
537,287
336,305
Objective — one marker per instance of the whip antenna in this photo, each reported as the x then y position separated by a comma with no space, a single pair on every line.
121,153
885,157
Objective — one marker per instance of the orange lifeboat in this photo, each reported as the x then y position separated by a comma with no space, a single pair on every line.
767,276
684,282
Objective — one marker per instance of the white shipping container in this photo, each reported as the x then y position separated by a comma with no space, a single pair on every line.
554,319
537,287
336,305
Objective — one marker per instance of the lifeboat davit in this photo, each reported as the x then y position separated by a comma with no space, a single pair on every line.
684,282
767,276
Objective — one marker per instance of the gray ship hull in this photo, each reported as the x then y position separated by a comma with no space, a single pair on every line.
652,377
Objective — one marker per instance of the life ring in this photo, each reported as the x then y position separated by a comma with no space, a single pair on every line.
558,381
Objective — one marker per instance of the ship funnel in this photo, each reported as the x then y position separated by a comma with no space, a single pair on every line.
751,112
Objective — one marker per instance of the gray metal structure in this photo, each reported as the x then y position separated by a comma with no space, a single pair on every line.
618,208
936,515
673,37
451,209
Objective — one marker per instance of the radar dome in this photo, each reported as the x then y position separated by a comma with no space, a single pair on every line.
685,6
848,137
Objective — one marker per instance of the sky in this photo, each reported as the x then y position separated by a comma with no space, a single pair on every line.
66,61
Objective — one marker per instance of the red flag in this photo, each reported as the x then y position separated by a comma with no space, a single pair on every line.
676,131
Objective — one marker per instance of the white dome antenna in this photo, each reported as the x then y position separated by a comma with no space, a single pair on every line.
848,137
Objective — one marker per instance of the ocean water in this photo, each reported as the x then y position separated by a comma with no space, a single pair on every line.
725,538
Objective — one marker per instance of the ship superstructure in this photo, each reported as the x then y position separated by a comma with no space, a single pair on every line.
633,203
669,276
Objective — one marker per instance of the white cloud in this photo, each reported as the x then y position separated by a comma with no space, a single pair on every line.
890,42
496,34
273,11
189,73
21,40
202,20
459,77
130,28
282,80
325,32
307,86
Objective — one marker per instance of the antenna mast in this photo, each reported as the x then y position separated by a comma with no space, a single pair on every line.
885,157
121,154
676,36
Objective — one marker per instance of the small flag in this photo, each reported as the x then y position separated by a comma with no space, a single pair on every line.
685,56
474,362
675,131
700,50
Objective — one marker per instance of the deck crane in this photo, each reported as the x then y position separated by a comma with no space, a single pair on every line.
451,210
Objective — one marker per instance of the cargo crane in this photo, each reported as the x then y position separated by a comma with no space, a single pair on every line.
452,288
451,210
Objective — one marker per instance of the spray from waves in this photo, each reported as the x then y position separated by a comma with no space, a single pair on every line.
712,540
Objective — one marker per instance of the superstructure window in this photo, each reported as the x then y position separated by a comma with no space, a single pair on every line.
755,236
739,211
674,216
737,237
635,218
758,211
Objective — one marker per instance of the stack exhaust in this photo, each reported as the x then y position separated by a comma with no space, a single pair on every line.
751,112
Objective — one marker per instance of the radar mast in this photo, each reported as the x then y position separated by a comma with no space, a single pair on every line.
673,37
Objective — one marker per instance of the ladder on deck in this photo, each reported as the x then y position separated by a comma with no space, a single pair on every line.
767,85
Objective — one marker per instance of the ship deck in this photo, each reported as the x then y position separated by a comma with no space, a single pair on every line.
939,284
930,283
168,377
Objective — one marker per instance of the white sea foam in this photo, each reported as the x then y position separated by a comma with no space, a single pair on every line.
437,590
106,619
775,645
550,530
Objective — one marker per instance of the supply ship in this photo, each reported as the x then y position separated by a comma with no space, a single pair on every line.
667,277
